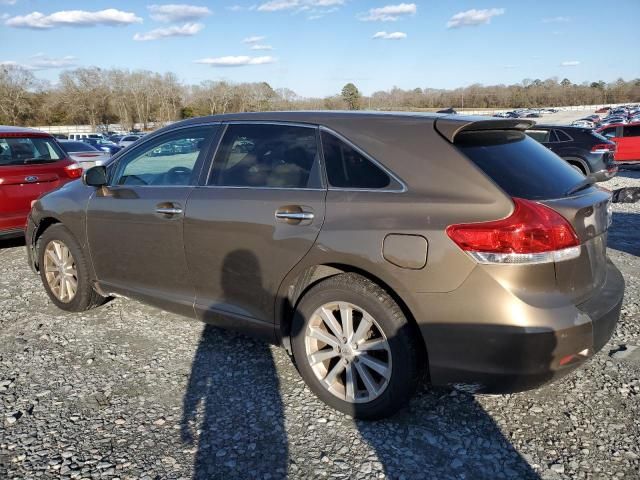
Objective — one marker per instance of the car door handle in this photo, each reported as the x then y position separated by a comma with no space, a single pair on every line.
294,215
169,209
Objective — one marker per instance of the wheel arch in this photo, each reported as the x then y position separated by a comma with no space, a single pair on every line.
579,162
40,228
292,291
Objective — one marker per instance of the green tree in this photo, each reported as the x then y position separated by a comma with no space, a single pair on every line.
566,82
351,95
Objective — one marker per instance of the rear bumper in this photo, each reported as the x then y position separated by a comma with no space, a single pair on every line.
517,345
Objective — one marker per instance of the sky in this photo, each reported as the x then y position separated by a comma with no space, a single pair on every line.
314,47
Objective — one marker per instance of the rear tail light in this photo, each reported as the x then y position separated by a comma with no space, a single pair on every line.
603,147
73,170
533,233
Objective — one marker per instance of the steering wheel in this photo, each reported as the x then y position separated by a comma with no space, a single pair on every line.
177,176
134,180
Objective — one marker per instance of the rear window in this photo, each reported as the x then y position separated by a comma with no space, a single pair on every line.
518,164
77,147
22,151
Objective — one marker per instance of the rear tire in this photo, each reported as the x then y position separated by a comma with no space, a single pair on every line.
354,347
64,271
576,165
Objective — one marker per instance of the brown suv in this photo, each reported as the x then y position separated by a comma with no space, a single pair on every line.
371,246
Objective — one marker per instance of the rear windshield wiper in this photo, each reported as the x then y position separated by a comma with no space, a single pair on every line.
587,182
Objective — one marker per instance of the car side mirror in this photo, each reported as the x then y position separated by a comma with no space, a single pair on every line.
95,176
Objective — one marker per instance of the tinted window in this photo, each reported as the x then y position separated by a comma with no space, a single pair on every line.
77,147
518,164
20,151
562,136
130,139
266,155
633,131
348,168
167,160
609,132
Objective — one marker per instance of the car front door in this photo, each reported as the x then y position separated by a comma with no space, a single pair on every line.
257,213
135,225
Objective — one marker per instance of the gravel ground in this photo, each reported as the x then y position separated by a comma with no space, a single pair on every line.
127,391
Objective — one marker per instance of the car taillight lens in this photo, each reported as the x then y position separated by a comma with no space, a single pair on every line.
73,170
603,147
533,233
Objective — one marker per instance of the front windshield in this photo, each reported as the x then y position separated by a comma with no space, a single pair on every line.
26,150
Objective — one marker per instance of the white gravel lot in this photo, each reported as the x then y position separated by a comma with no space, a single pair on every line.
127,391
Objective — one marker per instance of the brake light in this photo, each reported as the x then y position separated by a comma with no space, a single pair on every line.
603,147
73,170
533,233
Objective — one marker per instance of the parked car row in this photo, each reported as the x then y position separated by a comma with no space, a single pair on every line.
526,113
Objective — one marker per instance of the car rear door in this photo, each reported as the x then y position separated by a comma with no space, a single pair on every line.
257,213
628,144
135,225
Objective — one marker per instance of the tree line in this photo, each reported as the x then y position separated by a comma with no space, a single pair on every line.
95,96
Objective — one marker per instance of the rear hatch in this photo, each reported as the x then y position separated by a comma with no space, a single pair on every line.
524,169
29,166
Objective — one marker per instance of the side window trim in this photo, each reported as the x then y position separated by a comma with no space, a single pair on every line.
114,168
403,186
217,144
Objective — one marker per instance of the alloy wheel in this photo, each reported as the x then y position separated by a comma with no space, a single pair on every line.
60,271
348,352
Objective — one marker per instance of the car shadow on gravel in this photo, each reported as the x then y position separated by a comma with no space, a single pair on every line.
11,243
242,433
237,395
623,233
233,416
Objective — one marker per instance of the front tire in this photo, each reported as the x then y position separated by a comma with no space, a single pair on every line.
354,347
64,271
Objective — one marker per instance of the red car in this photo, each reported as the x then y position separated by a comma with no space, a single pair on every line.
627,138
31,164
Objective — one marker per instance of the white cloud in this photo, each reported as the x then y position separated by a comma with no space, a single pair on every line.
570,63
300,5
389,13
11,63
73,18
43,62
474,17
8,2
277,5
186,30
4,16
236,61
240,8
258,46
254,39
390,36
556,20
177,12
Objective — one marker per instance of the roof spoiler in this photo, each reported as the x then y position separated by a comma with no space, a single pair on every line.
451,125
